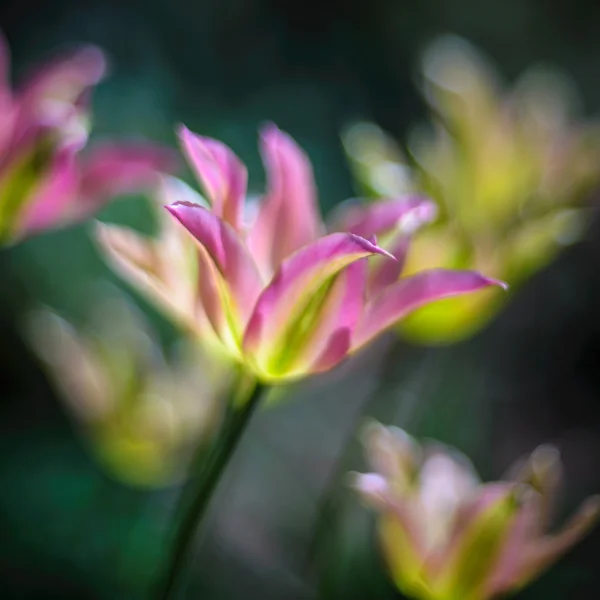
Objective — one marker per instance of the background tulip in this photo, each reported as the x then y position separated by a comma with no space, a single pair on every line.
45,179
445,535
509,169
141,414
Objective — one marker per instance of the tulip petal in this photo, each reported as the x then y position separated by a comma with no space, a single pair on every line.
230,282
411,293
403,548
543,471
405,214
50,93
395,220
393,453
164,269
115,169
282,308
516,549
548,549
51,200
220,172
481,529
446,477
328,340
373,487
288,217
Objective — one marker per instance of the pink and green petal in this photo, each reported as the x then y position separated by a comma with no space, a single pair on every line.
220,172
408,294
218,304
329,335
165,269
288,217
481,530
519,540
48,207
227,266
298,281
403,548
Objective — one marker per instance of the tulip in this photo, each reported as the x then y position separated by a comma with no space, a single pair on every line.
141,415
445,535
277,292
509,170
46,180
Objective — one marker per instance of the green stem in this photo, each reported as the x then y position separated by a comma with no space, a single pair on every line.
233,428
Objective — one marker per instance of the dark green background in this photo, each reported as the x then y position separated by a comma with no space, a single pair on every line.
224,67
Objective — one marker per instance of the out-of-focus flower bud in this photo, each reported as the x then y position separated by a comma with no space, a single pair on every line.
141,414
445,535
510,171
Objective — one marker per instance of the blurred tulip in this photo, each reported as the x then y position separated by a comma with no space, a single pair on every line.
509,171
141,414
445,535
275,292
45,182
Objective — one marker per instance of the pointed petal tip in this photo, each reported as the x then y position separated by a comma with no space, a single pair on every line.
370,245
268,128
181,130
545,457
370,426
98,225
173,207
180,210
372,430
424,212
370,484
186,136
496,282
271,136
96,60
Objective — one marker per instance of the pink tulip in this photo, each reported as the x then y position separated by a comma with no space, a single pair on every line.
46,181
446,535
283,297
276,292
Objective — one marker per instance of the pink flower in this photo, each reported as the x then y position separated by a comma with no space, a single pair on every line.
446,535
275,290
45,179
